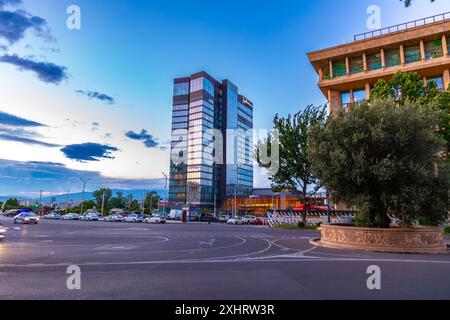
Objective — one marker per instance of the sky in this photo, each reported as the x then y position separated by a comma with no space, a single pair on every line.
96,102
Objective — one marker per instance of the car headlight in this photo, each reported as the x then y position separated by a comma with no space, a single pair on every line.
2,231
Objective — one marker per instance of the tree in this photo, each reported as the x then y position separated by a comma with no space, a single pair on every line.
409,86
99,194
118,201
409,2
294,171
12,203
151,202
383,157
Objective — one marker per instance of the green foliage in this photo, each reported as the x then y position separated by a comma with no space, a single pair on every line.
151,202
12,203
103,195
301,224
118,201
447,230
292,137
383,157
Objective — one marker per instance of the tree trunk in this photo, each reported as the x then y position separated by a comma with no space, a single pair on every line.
305,211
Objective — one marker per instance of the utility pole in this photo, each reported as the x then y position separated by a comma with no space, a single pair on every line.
235,200
215,204
103,202
40,202
165,194
151,203
84,189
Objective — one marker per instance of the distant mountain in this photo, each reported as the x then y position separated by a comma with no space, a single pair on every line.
75,197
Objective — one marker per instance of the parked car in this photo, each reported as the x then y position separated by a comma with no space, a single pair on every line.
235,220
262,221
2,232
155,219
52,216
134,217
249,219
224,219
115,218
71,216
90,216
11,213
26,218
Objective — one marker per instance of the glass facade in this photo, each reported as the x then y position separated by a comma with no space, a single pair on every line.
433,49
374,61
196,179
356,64
339,68
438,81
359,95
412,54
392,58
345,98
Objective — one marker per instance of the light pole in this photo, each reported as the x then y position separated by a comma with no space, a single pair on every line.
84,188
40,202
103,202
165,193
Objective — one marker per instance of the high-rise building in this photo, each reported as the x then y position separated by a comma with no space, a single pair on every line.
348,72
211,147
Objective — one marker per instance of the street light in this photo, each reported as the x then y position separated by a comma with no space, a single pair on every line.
165,193
84,188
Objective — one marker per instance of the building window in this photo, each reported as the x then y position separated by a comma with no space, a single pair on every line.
326,72
359,95
433,49
181,89
438,81
374,61
345,98
356,64
412,54
392,58
339,69
448,45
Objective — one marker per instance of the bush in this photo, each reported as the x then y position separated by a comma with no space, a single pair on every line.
447,230
383,157
301,225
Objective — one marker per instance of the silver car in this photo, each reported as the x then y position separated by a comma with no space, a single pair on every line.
2,232
26,218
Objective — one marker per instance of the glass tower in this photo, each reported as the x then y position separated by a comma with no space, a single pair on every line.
205,110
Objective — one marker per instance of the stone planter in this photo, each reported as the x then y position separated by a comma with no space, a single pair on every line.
406,240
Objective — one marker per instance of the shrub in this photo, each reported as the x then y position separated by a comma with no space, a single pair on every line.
301,225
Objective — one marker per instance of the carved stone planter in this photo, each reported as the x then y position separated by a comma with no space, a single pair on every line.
406,240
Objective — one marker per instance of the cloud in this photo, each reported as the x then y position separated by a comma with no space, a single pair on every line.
12,120
45,71
148,140
18,177
88,152
15,138
9,2
15,24
98,96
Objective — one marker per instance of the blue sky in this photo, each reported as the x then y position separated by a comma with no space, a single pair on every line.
97,101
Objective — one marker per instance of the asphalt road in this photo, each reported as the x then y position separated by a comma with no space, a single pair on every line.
200,261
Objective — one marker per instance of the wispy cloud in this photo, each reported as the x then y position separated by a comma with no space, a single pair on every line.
12,120
46,71
89,152
15,24
148,140
15,138
18,177
97,96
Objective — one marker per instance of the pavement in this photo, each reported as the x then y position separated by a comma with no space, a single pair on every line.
202,262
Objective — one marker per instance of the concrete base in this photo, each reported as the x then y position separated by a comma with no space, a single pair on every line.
399,240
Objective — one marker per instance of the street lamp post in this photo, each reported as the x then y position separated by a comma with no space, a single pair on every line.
165,193
84,189
40,202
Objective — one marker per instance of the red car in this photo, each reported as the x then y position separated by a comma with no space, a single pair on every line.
262,221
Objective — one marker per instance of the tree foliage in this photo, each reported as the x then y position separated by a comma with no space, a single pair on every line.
103,196
294,171
383,157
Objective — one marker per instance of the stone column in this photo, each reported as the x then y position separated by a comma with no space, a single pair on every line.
347,66
422,50
444,45
331,69
365,62
320,74
367,90
383,59
334,102
446,79
402,55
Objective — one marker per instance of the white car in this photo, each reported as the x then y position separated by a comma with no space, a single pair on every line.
134,218
2,232
249,219
235,220
26,218
155,219
53,216
114,218
91,216
71,216
224,219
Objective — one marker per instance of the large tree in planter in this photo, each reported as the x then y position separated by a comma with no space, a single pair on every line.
383,157
294,168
